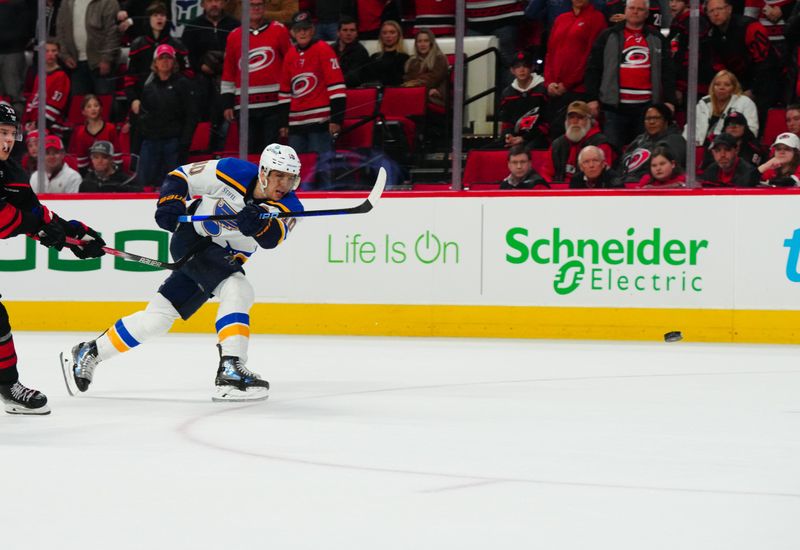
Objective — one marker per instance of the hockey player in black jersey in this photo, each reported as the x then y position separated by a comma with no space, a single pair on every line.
22,213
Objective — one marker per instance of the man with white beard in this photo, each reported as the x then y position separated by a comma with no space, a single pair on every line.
581,131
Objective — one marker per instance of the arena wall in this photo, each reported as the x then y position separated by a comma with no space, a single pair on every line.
718,266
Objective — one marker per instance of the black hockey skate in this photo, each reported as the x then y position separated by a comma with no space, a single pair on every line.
78,366
235,382
21,400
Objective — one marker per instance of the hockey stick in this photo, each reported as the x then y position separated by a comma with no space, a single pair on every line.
141,259
362,208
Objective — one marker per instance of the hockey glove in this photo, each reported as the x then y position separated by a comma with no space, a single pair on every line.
94,243
250,222
169,208
52,234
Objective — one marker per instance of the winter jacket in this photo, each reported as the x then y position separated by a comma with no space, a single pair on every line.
102,37
602,70
353,60
609,179
744,175
563,150
167,109
708,126
531,180
569,45
635,162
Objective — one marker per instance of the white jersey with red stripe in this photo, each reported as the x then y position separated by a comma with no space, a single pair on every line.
311,83
268,46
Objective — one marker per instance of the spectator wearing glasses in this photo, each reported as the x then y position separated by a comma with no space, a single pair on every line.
658,131
521,175
269,43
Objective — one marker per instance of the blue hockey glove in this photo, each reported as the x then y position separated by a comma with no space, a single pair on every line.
250,222
169,208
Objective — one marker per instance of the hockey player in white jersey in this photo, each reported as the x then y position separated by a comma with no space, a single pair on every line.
218,249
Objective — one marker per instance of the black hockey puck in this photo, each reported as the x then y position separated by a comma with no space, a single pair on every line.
673,336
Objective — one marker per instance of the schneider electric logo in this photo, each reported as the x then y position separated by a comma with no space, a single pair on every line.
639,261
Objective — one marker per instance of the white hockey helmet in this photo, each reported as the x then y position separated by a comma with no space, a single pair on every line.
282,158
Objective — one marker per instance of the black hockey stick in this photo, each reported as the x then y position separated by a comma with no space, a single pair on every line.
362,208
199,245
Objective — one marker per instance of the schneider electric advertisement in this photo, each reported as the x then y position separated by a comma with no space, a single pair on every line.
721,252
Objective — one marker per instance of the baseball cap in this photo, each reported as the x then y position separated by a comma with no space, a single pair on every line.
102,147
164,49
302,20
33,134
522,57
53,142
788,139
735,117
724,140
579,107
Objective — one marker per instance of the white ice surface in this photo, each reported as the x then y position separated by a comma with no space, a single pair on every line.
383,444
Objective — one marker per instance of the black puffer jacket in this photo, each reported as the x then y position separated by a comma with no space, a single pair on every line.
168,109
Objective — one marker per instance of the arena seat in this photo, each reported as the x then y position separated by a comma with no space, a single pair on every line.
485,166
775,125
408,107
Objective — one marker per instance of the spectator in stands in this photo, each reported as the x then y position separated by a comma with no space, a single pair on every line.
264,115
353,56
793,118
594,172
725,96
629,68
664,171
29,159
783,168
728,170
615,13
387,66
581,131
93,129
500,18
132,19
17,29
274,10
568,47
428,67
144,46
57,86
205,37
166,118
658,131
59,176
312,94
772,14
104,176
90,49
678,39
329,15
750,148
741,45
439,16
523,107
521,174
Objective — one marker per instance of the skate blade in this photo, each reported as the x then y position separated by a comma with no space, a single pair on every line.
12,408
66,369
231,394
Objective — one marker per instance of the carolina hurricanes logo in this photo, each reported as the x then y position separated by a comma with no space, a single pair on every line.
636,56
638,158
303,84
261,58
527,121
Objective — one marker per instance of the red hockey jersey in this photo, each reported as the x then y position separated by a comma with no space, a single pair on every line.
313,86
268,46
82,140
492,11
57,84
437,15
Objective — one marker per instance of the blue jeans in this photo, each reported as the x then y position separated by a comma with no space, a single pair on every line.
326,31
157,157
88,81
319,141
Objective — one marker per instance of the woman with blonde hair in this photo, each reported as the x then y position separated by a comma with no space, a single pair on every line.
427,67
387,67
724,95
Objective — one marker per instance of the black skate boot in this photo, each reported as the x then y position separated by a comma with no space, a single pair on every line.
235,382
78,366
21,400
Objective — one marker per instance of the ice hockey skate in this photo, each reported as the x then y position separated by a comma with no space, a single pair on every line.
78,366
235,382
21,400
